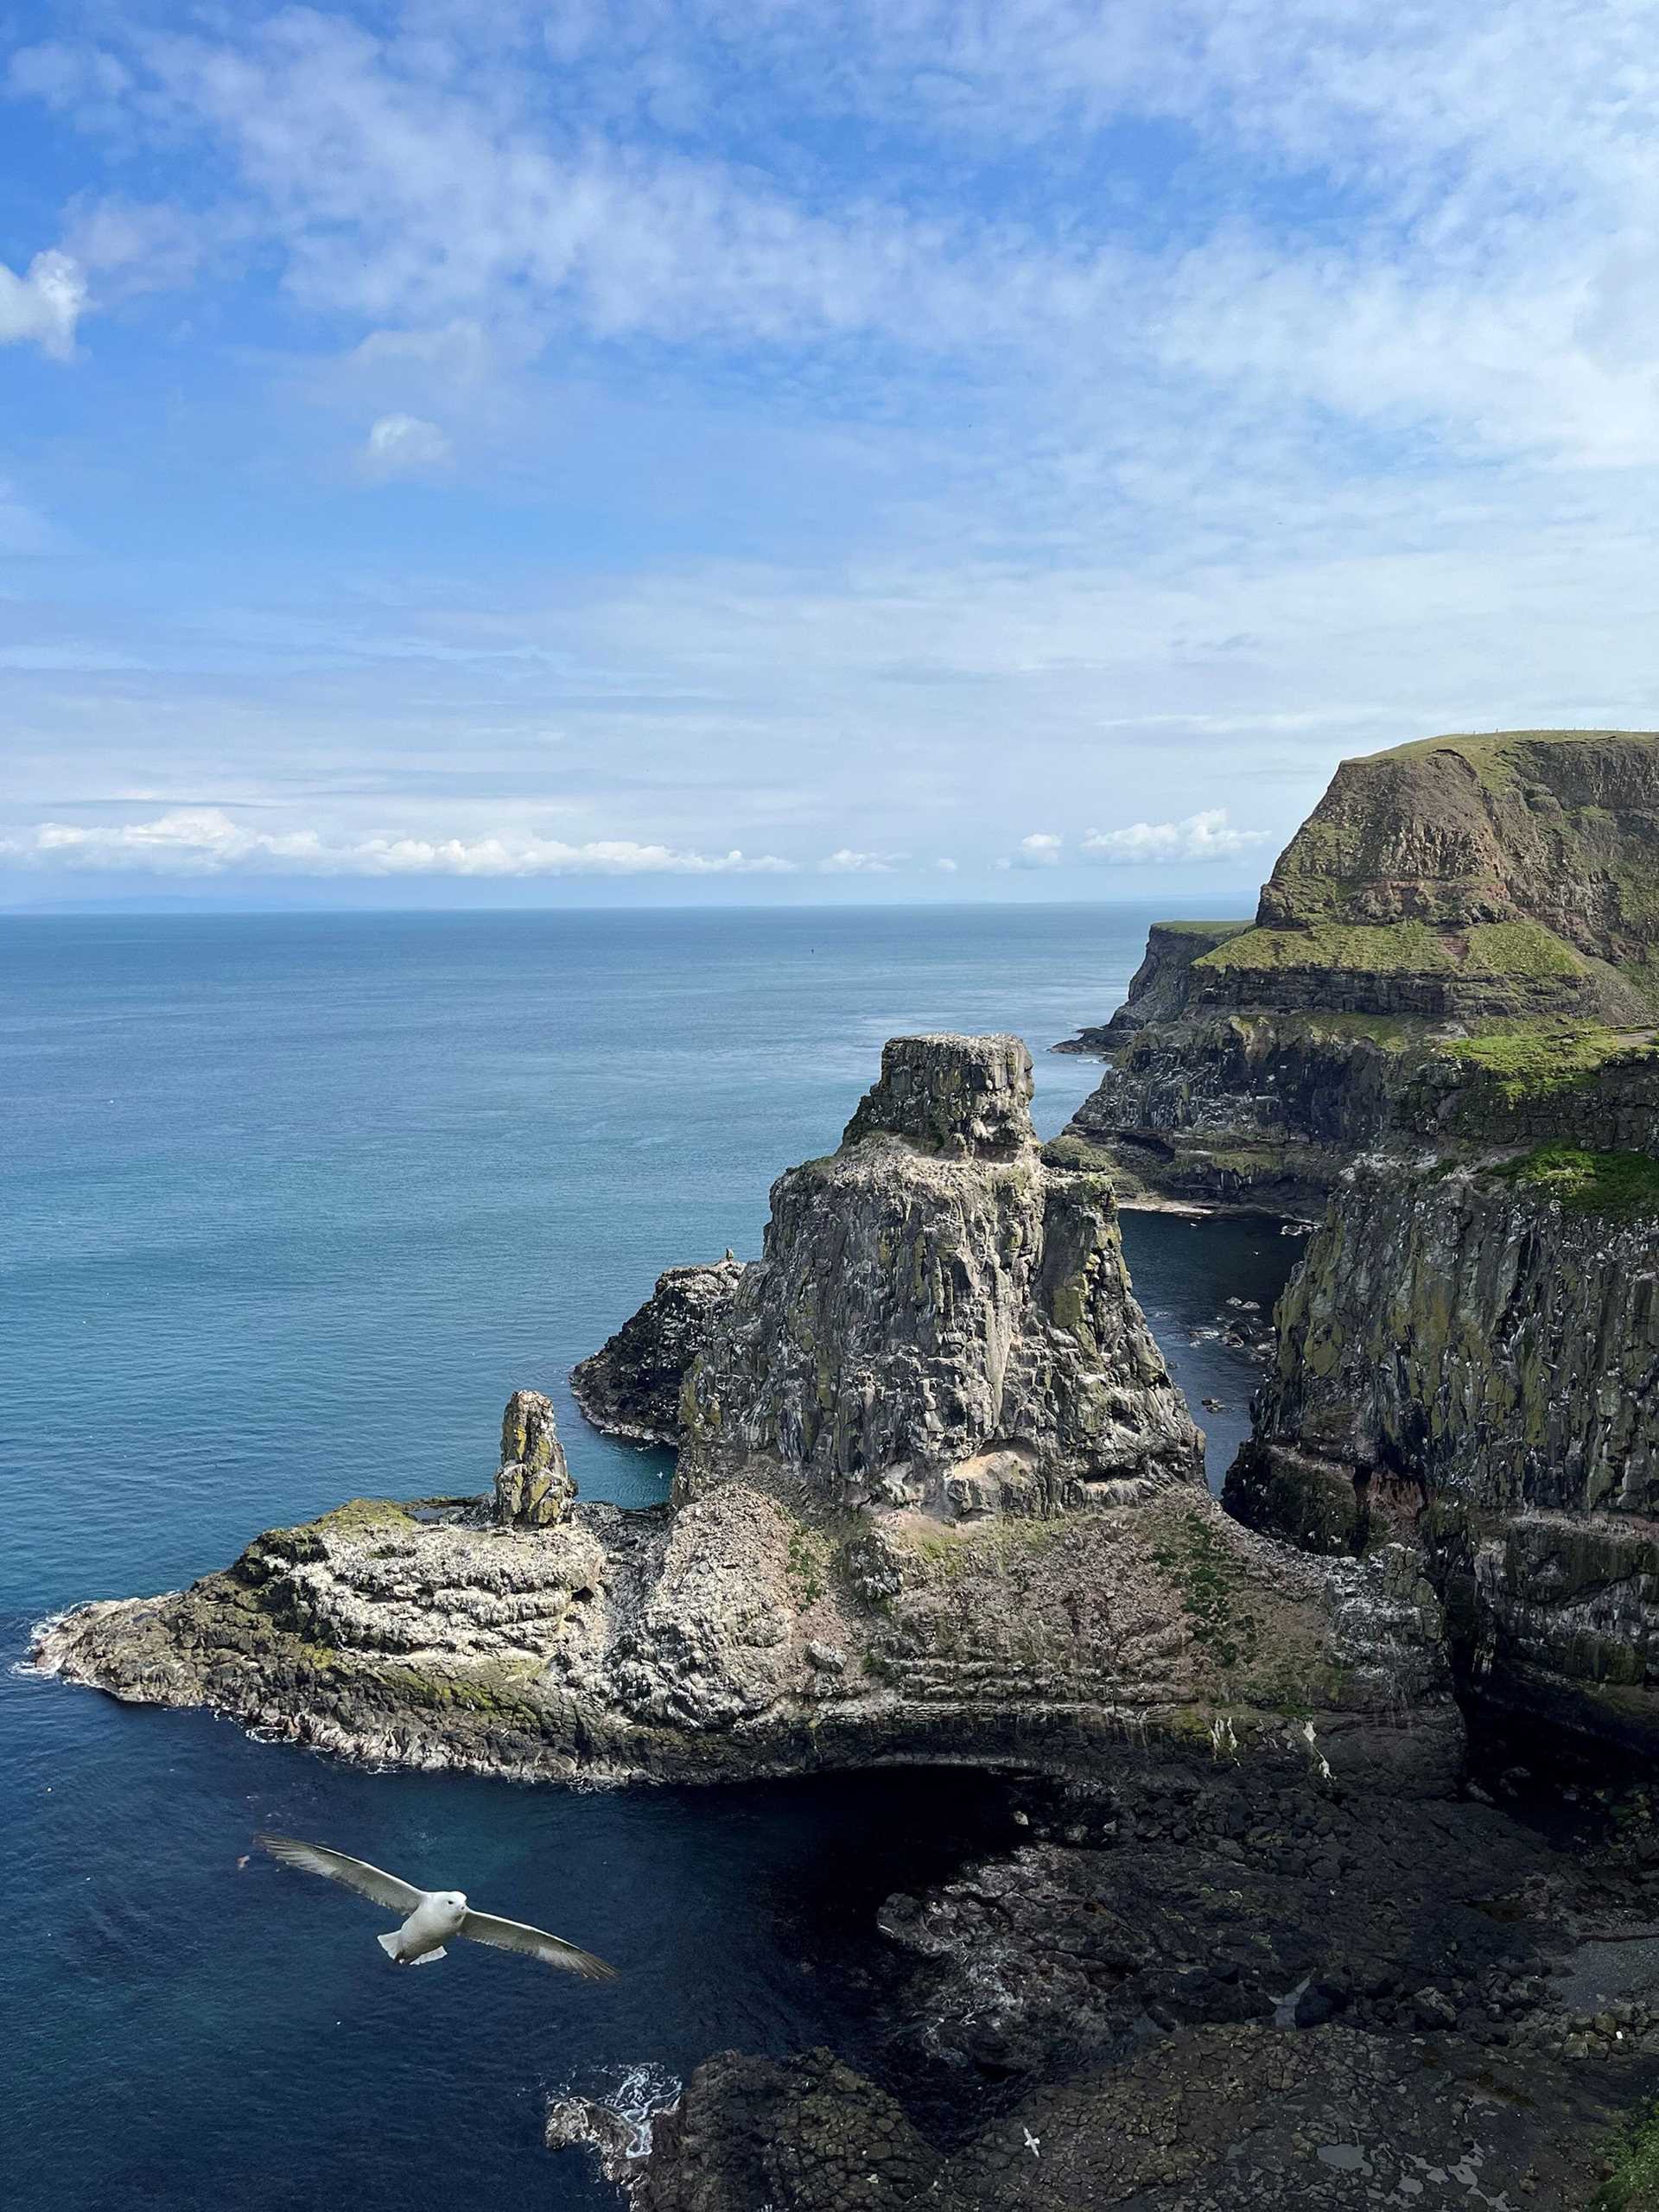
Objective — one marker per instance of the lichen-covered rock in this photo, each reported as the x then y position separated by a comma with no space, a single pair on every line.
631,1387
1460,885
533,1485
690,1645
939,1318
1468,1362
964,1097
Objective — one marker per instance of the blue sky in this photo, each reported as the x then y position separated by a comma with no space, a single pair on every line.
798,450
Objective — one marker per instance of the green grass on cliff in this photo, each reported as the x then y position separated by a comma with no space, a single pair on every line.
1621,1184
1529,1059
1515,949
1214,931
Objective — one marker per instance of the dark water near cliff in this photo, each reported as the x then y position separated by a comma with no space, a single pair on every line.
290,1206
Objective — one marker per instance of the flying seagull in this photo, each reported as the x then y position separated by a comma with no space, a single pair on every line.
433,1917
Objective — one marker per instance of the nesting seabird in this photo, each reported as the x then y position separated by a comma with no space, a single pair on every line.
432,1917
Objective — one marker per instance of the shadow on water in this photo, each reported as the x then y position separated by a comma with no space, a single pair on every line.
1202,1282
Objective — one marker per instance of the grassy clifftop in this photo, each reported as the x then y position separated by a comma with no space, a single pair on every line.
1512,872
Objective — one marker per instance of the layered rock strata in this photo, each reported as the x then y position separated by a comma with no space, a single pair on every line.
1458,886
941,1501
631,1387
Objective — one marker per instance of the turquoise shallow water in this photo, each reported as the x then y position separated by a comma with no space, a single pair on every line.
291,1204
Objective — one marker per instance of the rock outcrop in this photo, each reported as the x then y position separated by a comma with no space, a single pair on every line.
1468,1361
533,1485
868,1558
1206,1990
1459,886
631,1387
939,1320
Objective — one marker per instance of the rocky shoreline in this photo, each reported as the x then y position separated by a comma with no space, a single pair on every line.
1206,1985
936,1499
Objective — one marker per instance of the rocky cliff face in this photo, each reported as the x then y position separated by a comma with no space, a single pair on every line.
1468,1362
867,1559
1459,887
939,1321
631,1387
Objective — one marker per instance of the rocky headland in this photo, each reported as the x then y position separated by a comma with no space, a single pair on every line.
1266,1936
938,1498
1455,890
1438,1037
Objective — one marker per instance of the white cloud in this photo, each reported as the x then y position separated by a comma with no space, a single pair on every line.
404,445
1041,850
1206,837
846,861
43,306
207,842
945,867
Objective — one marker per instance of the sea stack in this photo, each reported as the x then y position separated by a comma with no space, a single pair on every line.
534,1488
939,1320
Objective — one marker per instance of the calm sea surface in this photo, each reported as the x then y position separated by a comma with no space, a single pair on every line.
290,1206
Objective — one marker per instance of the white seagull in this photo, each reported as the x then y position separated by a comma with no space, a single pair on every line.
433,1917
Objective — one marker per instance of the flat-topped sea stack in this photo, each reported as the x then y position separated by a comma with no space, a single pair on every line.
1460,886
938,1498
938,1319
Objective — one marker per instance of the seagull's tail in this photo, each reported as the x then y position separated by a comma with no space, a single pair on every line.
389,1945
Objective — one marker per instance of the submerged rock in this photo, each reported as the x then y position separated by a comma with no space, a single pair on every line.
631,1387
939,1318
533,1485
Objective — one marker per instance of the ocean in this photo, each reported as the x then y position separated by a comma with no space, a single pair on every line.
291,1204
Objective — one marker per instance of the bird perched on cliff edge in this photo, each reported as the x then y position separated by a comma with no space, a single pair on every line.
433,1917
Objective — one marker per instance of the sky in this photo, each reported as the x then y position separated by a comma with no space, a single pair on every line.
802,449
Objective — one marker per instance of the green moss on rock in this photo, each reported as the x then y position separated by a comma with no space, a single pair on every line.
1622,1184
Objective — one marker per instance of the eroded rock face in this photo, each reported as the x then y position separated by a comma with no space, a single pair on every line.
962,1098
533,1485
1470,1365
939,1320
631,1387
1559,828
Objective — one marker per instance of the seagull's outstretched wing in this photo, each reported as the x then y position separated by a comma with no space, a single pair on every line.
514,1935
356,1873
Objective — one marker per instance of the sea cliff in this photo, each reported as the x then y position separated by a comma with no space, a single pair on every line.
1454,888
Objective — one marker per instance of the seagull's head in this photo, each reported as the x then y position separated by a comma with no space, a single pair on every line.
455,1899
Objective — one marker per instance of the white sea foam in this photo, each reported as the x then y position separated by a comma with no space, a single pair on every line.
37,1635
612,2112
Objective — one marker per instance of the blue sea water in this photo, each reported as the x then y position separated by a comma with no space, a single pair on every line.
291,1204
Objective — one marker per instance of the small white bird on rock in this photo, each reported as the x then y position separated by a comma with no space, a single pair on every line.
434,1916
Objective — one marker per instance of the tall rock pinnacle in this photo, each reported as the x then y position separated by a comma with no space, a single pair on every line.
938,1319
